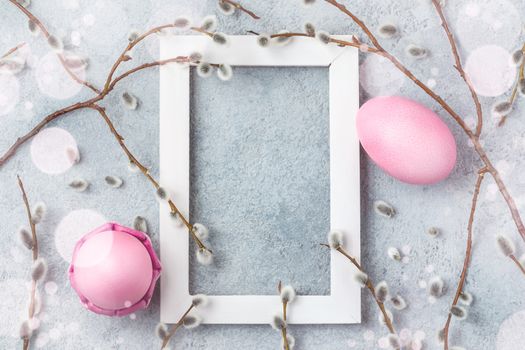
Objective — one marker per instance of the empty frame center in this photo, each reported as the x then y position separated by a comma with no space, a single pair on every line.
260,179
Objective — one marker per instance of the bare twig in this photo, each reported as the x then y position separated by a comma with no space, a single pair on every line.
202,31
517,262
370,286
34,248
13,50
175,327
468,252
239,7
474,138
283,35
60,56
459,66
285,338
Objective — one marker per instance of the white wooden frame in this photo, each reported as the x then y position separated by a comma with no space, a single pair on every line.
343,305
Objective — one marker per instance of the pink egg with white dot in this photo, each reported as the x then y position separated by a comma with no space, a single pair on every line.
114,270
406,139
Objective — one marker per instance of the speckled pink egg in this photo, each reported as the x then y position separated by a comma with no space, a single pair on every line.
114,270
406,139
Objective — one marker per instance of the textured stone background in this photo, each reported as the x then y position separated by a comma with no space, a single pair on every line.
99,29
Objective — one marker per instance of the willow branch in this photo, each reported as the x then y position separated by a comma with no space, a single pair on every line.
468,252
92,104
370,286
514,94
354,43
459,66
29,218
284,330
239,7
108,87
175,327
145,171
13,50
60,56
124,55
202,31
77,106
517,262
285,338
382,52
179,59
34,248
470,134
36,129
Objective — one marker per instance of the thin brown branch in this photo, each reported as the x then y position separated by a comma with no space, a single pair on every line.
36,129
180,59
202,31
239,7
34,248
459,66
145,171
468,252
470,134
77,106
13,50
356,43
370,286
520,76
175,327
124,57
29,218
286,35
80,105
285,338
517,262
382,52
284,330
60,56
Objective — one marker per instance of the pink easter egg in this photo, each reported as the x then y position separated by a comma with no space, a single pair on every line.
114,270
406,139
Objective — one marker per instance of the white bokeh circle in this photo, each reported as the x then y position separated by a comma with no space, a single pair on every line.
379,77
95,23
9,93
54,81
510,334
72,227
70,4
485,22
490,70
49,150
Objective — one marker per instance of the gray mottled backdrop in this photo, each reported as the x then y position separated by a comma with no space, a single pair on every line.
260,167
